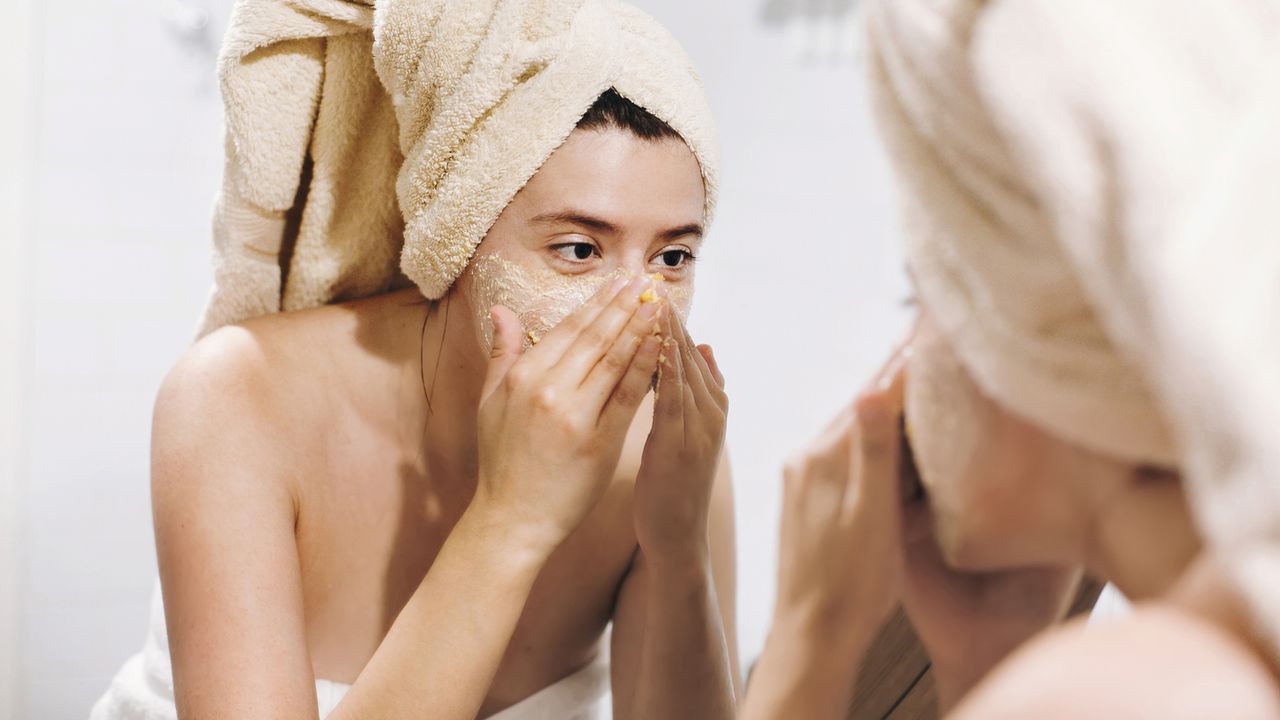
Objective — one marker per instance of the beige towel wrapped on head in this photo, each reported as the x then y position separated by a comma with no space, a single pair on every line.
1092,220
374,144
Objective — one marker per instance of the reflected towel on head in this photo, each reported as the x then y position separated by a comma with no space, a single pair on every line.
371,145
1090,218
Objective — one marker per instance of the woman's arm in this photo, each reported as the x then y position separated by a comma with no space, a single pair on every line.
677,621
224,513
672,655
551,428
233,590
839,560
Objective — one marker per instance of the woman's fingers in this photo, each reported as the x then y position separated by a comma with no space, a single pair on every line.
604,374
508,346
709,355
696,373
671,385
553,346
891,379
620,408
623,318
878,451
823,467
878,454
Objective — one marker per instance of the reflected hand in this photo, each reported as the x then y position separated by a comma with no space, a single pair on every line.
839,550
839,558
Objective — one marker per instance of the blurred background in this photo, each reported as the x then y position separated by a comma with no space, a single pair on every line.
110,155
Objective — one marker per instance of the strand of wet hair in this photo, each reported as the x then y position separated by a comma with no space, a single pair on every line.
422,349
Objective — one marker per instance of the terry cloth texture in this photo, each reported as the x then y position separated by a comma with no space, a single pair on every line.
1091,217
373,144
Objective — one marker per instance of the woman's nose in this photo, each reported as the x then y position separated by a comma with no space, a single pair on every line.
632,265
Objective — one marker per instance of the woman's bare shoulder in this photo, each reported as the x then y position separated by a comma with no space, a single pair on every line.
238,367
248,386
276,377
1160,662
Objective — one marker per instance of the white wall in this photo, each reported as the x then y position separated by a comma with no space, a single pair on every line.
16,53
127,154
799,291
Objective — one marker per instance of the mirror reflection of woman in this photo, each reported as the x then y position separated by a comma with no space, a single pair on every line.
1092,379
396,507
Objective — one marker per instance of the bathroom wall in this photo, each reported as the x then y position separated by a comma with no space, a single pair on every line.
126,154
799,291
15,83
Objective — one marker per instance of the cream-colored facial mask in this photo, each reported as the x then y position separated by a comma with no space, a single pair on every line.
541,297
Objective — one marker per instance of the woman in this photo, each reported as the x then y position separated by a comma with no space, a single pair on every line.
1091,381
398,508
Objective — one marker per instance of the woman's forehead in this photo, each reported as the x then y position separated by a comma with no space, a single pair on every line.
614,175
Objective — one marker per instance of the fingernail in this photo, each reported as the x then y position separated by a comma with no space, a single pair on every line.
616,286
650,345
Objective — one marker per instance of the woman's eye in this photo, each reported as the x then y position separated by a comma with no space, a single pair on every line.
576,252
675,257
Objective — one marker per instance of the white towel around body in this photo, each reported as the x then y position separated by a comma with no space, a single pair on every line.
143,688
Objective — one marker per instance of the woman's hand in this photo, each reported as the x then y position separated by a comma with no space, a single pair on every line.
839,553
678,468
839,559
553,419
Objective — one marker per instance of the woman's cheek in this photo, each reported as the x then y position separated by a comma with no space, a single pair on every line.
946,418
541,297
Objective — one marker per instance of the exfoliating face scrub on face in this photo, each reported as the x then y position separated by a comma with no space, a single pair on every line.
541,297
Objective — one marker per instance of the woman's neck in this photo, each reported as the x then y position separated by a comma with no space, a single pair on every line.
426,401
450,367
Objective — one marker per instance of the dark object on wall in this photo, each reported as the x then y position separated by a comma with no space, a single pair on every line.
780,12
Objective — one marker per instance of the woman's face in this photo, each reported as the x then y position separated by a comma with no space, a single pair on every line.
997,485
605,204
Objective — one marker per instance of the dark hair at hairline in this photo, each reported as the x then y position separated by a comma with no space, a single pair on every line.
612,110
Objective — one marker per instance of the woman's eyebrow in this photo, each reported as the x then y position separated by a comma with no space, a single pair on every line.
576,217
599,224
694,229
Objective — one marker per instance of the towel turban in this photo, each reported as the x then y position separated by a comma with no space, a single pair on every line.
371,144
1091,219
